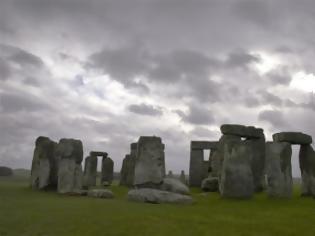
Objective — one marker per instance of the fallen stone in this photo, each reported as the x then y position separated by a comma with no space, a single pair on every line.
100,193
292,137
174,185
307,166
210,184
237,177
155,196
242,131
278,169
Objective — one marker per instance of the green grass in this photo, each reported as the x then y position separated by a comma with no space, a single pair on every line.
27,212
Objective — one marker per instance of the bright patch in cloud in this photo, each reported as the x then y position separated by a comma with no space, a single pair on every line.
267,62
303,81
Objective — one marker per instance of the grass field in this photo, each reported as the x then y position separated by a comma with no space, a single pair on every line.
27,212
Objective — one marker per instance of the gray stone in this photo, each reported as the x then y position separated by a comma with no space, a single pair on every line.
292,137
307,166
242,131
107,175
210,184
218,156
174,185
170,174
98,154
149,195
182,177
196,167
258,161
237,177
44,164
278,169
69,152
100,193
90,171
203,145
150,162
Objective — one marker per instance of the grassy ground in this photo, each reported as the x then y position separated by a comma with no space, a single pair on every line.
27,212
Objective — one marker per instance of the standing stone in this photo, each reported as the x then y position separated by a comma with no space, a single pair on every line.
124,171
150,163
196,167
219,153
278,169
70,154
90,171
182,177
107,171
258,161
307,166
237,177
44,164
170,174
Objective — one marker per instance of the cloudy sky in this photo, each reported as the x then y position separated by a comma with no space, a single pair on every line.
108,71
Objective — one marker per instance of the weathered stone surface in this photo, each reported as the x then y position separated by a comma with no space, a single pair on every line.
174,185
128,167
292,137
307,166
258,161
237,177
210,184
203,145
278,169
182,177
107,171
149,195
170,174
218,156
150,162
98,154
44,164
196,167
69,152
100,193
90,171
242,131
5,171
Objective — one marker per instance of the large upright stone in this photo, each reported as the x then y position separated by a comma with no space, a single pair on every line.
257,146
128,167
150,163
292,137
196,167
44,164
218,156
182,177
237,178
90,171
107,171
70,154
278,169
307,166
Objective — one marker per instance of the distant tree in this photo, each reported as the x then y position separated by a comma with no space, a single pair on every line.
5,171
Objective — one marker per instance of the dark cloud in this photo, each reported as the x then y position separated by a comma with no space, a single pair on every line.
241,59
145,109
274,117
5,70
269,98
14,102
197,115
